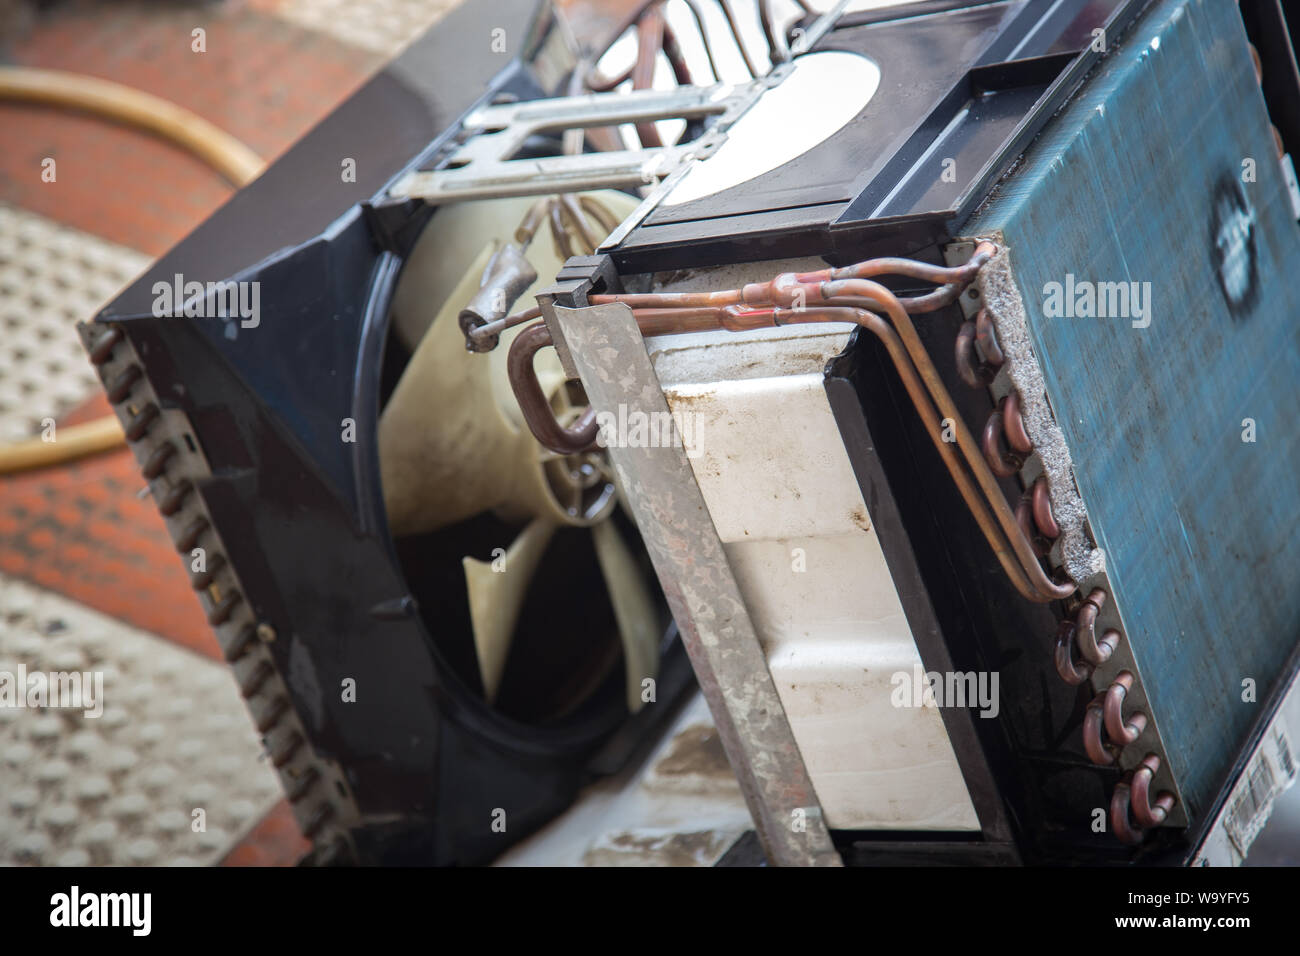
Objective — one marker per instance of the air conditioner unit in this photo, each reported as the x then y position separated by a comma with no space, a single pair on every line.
927,394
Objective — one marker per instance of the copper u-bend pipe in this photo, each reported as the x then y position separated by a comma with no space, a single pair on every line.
536,410
836,295
863,292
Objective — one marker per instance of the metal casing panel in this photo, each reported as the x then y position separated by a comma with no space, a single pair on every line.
781,492
1140,179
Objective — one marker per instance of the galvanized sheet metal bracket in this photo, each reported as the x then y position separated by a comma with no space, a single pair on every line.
611,359
483,165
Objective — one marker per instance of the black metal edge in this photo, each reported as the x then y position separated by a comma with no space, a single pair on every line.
906,11
915,850
1057,94
899,549
962,609
1272,34
803,231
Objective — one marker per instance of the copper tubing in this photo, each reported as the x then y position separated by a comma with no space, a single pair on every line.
1093,651
1121,731
598,211
1034,515
933,301
676,59
734,318
933,420
578,219
961,275
1131,810
1013,425
559,233
532,400
1094,744
956,278
730,14
597,82
973,371
834,296
863,290
1120,821
1004,462
987,337
782,290
694,6
978,369
531,221
1145,812
650,40
490,330
1025,521
839,300
777,50
1041,501
1072,671
672,300
654,322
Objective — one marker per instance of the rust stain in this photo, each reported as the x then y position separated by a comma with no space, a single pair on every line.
859,517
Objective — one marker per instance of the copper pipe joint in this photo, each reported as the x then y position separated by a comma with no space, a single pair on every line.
1041,504
1073,672
1025,520
1146,813
987,337
532,400
1131,810
1120,821
973,370
1002,461
1119,730
1094,651
1094,743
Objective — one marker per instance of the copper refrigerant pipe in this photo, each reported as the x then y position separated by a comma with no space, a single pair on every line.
861,292
933,419
782,290
537,411
650,40
581,435
832,295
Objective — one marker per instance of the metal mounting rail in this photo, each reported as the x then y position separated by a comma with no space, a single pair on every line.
482,166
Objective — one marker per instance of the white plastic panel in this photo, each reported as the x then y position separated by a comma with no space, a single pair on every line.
778,483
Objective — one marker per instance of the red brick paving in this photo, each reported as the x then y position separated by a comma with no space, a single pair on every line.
275,841
263,80
81,530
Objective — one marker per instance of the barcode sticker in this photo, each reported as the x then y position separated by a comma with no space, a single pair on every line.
1283,745
1272,770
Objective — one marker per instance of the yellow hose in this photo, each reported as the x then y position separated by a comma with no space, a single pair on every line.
144,111
132,107
72,442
